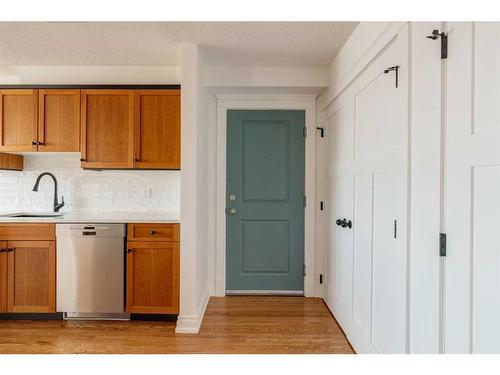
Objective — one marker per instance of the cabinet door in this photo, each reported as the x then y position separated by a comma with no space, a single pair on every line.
107,122
31,277
18,120
153,277
158,129
3,276
59,120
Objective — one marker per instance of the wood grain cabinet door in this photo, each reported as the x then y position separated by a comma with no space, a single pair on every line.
3,276
31,283
18,120
158,129
153,277
59,120
107,121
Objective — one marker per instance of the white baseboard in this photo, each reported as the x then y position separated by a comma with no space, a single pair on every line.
192,323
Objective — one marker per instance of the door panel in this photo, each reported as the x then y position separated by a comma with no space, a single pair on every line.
153,277
389,267
107,128
3,276
343,240
158,129
486,259
363,253
18,120
472,323
31,276
265,172
59,120
340,184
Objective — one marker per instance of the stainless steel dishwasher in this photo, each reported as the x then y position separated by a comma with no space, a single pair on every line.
90,271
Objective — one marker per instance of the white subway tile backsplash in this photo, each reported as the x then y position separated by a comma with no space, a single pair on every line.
85,190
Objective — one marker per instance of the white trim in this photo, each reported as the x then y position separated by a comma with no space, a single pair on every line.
192,323
263,102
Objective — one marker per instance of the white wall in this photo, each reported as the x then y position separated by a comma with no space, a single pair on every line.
195,176
90,75
367,42
266,76
86,190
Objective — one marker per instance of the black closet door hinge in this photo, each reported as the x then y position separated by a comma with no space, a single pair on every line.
321,205
393,69
442,244
444,42
321,131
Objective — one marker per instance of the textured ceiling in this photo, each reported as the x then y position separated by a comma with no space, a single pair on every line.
156,43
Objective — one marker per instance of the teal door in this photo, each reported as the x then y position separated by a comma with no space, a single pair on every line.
265,201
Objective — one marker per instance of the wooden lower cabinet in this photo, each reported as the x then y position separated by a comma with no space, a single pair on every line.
31,285
27,268
153,277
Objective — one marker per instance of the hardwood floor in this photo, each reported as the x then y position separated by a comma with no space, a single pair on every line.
231,325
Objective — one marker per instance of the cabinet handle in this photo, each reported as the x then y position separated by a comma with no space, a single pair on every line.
130,250
2,250
9,250
152,233
40,143
33,143
137,160
83,160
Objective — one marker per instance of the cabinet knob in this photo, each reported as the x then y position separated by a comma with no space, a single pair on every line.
152,232
129,250
83,159
33,143
137,160
9,250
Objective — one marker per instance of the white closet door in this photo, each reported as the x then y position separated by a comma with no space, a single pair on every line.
472,274
340,200
368,137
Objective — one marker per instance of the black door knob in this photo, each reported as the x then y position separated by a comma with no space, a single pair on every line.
344,223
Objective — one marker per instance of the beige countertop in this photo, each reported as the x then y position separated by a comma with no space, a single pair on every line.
98,217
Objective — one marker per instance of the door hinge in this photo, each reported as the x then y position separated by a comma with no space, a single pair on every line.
305,132
321,131
442,244
320,278
304,270
305,201
444,42
321,206
394,68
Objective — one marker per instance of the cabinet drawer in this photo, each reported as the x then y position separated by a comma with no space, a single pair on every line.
23,232
153,232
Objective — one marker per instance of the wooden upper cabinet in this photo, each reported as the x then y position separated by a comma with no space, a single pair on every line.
157,129
3,276
59,120
153,277
31,277
107,122
18,120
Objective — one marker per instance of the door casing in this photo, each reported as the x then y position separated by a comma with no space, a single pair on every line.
268,102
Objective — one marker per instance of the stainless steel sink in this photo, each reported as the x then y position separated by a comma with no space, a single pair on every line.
33,214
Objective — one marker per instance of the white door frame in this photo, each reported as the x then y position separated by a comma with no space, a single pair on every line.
267,102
